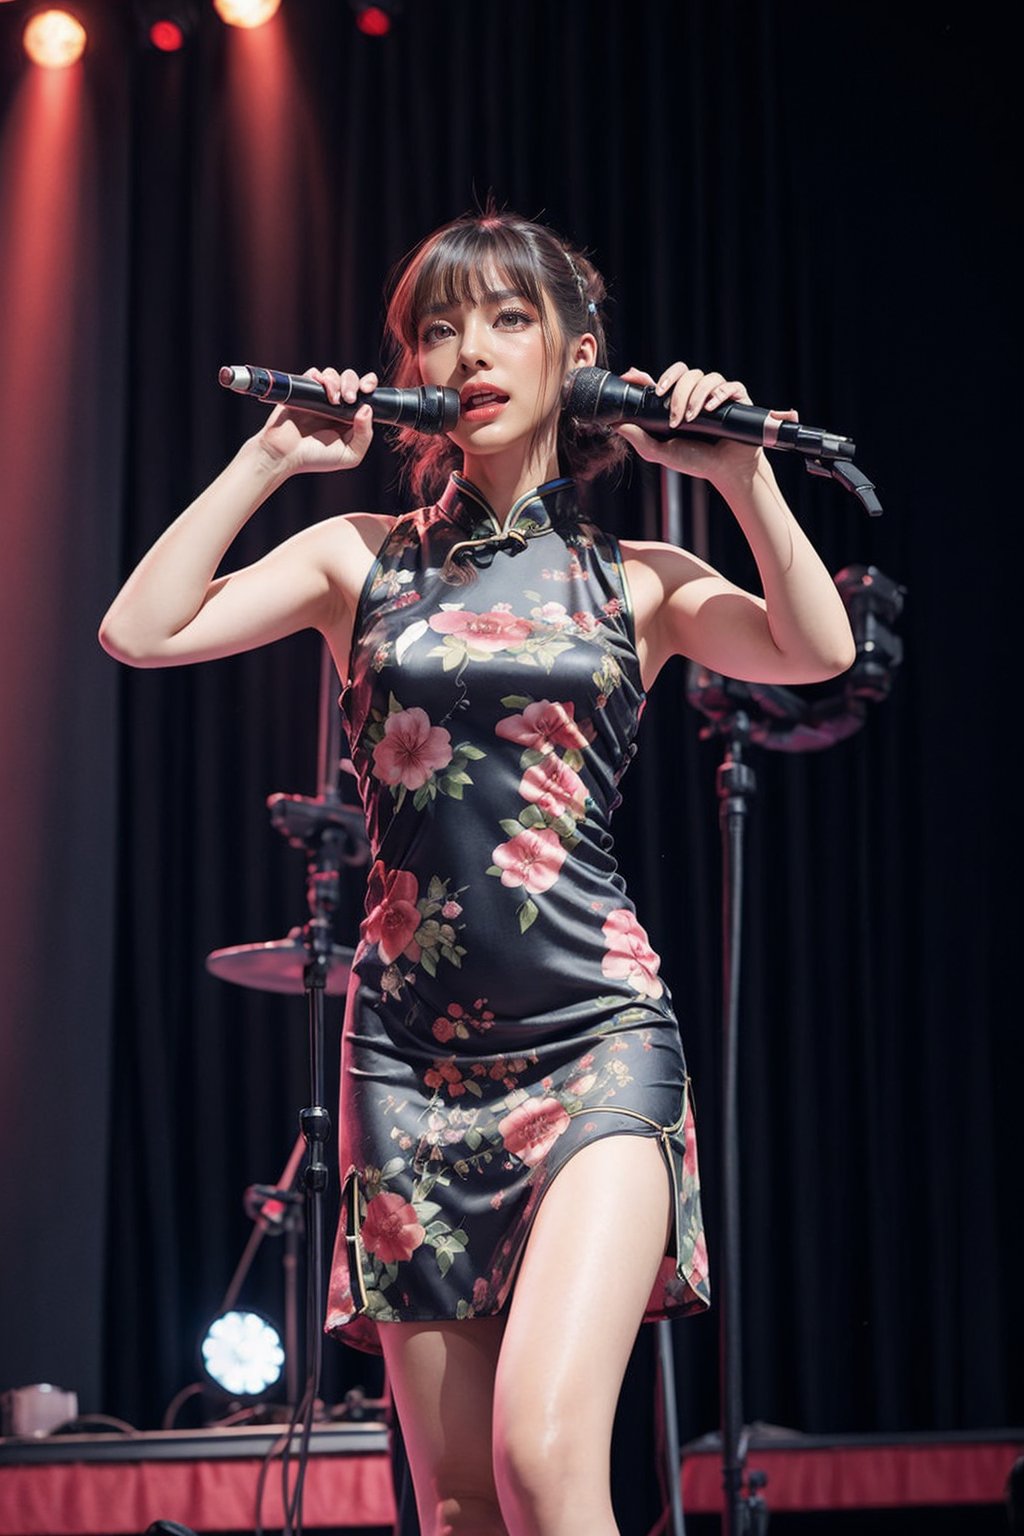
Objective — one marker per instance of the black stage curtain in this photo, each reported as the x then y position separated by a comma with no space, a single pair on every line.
816,199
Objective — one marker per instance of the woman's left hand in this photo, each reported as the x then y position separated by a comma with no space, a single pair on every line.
691,392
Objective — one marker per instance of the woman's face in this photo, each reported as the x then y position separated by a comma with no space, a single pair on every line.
493,350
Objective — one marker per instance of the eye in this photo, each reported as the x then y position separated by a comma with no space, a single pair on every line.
512,319
436,330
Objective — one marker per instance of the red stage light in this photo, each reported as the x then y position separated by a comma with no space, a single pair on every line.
166,35
374,21
54,39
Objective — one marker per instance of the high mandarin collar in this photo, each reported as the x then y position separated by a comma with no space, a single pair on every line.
551,505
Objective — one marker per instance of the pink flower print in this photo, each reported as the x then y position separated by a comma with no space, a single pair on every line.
556,789
481,1291
445,1074
582,1085
690,1151
393,916
553,614
390,1228
532,859
613,607
699,1261
586,623
630,955
532,1128
443,1029
451,909
412,750
543,726
491,631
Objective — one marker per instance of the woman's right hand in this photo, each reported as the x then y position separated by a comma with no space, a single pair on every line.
300,441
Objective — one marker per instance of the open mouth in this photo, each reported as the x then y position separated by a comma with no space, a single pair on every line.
482,400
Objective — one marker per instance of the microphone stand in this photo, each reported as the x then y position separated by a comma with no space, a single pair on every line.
332,835
672,533
788,723
260,1202
735,787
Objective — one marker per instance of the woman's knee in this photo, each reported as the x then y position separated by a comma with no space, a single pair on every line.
549,1462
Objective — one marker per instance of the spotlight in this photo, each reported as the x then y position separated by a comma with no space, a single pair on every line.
166,35
245,13
165,25
375,20
54,39
242,1354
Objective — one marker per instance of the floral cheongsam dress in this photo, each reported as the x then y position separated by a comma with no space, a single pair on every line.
505,1007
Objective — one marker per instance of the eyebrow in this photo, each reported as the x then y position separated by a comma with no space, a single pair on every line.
489,296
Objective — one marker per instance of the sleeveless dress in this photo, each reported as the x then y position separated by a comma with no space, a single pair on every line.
505,1007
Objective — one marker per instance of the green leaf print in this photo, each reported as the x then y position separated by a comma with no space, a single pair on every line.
527,914
533,816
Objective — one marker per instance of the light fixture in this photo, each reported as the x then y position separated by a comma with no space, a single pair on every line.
54,39
242,1354
166,25
245,13
375,19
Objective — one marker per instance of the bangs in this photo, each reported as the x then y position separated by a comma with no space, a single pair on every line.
462,267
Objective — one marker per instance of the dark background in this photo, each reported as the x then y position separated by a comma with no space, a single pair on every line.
817,199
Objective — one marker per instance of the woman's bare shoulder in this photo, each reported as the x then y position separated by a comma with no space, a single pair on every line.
668,565
352,533
344,547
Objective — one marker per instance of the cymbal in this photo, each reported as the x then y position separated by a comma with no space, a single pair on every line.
279,965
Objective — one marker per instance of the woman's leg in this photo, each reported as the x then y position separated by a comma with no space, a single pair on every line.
587,1273
441,1376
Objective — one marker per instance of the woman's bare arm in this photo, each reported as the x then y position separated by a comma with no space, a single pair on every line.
174,608
798,631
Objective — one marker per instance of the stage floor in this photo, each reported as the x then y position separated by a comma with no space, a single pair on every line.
209,1480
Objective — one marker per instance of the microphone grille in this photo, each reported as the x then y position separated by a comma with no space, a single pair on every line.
439,409
583,392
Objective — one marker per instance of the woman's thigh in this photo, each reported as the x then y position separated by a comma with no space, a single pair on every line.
587,1273
441,1376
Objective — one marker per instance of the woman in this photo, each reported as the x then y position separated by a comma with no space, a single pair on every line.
517,1144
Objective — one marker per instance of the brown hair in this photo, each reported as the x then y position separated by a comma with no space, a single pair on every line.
446,269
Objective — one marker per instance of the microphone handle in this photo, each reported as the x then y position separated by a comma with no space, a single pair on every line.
601,396
740,423
428,408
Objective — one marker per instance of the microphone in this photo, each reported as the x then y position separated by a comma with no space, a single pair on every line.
592,394
428,408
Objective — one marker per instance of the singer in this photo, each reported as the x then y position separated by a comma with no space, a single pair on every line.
517,1142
